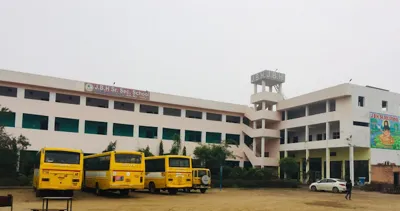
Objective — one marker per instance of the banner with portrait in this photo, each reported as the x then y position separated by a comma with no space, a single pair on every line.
384,130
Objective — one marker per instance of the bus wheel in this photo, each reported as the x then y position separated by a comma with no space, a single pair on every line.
152,188
203,190
172,191
124,192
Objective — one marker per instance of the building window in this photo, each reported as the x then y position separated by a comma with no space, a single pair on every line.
336,135
147,132
332,154
69,99
122,130
232,139
172,112
8,91
363,124
7,119
194,114
95,102
36,95
246,121
319,137
93,127
124,106
233,119
361,101
384,105
332,105
170,134
149,109
309,137
248,140
214,138
214,117
33,121
193,136
282,136
266,154
66,125
283,115
295,139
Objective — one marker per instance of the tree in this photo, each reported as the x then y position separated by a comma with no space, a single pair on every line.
146,151
289,166
10,148
111,146
213,156
184,150
161,148
176,146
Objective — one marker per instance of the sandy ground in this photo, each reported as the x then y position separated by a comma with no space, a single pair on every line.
227,199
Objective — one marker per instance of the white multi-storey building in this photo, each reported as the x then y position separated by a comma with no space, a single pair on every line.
327,131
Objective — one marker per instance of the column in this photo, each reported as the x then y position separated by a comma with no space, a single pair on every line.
204,115
254,145
306,133
285,154
51,123
343,169
18,120
255,124
328,131
137,107
286,136
262,147
83,100
183,113
241,142
307,163
182,135
159,132
286,115
20,93
306,109
160,110
82,125
111,104
328,163
52,97
263,86
255,88
136,131
327,106
263,123
369,171
223,137
264,105
223,117
203,137
241,163
110,128
351,163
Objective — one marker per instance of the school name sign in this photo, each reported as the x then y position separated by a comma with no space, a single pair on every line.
117,91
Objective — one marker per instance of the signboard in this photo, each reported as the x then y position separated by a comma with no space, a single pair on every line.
384,130
268,75
117,91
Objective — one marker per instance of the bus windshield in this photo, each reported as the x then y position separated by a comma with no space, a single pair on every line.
62,157
128,158
179,162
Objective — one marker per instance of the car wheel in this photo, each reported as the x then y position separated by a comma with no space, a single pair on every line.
313,188
335,190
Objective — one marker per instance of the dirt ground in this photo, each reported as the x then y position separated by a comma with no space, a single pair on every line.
227,199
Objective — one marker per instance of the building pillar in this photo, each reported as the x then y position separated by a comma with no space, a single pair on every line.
51,123
286,115
137,107
82,126
328,163
21,93
344,169
241,163
204,115
254,146
255,124
255,88
328,131
306,133
263,123
160,110
83,101
111,104
285,154
203,137
351,163
52,97
327,106
18,120
307,164
223,117
136,131
306,111
270,88
183,113
264,105
369,171
182,135
241,142
110,128
263,86
263,147
286,136
159,133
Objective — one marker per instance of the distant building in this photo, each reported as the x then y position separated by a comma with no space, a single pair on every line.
324,130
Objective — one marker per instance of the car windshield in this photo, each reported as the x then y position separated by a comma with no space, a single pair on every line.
128,158
179,162
62,157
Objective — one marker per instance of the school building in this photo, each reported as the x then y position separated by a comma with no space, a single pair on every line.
334,132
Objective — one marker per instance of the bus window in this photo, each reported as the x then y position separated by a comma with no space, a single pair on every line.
179,162
62,157
202,173
128,158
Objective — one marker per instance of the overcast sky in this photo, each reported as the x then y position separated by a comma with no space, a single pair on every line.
204,48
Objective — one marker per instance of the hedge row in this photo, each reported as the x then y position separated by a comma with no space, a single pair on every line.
242,183
381,187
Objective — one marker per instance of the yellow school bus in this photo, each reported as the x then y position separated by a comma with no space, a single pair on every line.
57,169
114,171
168,172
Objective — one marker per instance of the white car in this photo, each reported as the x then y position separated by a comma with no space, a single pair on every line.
330,184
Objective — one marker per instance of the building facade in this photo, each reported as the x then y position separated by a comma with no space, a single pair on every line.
328,131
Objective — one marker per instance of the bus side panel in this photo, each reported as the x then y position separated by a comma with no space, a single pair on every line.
158,178
36,177
100,178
